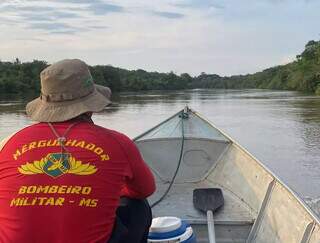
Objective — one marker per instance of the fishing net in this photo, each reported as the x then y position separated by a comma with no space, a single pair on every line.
194,127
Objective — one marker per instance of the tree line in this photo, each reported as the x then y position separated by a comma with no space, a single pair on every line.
303,74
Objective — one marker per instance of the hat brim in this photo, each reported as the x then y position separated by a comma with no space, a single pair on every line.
42,111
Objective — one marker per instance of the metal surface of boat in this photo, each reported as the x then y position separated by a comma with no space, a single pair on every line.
189,152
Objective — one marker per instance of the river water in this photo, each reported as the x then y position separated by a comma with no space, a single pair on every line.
280,128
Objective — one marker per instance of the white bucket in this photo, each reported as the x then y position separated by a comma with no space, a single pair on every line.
170,230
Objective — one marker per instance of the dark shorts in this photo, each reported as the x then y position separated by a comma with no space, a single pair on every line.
133,220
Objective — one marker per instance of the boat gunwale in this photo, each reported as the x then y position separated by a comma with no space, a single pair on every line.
186,138
156,126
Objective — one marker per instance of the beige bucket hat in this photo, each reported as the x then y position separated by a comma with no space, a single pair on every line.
67,90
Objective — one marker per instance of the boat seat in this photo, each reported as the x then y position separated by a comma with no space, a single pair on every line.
179,203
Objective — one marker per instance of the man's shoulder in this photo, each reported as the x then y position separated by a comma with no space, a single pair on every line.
16,134
120,137
26,129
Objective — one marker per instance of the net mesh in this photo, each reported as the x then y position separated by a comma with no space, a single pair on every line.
194,127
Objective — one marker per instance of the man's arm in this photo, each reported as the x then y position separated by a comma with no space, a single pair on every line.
142,183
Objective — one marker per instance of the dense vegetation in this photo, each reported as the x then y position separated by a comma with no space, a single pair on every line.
302,74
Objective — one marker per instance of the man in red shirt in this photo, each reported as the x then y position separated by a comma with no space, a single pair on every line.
61,179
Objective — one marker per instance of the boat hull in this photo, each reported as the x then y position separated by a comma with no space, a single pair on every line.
258,206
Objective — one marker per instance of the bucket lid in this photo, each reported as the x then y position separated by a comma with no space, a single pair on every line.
165,224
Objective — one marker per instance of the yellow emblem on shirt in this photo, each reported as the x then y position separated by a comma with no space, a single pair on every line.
57,164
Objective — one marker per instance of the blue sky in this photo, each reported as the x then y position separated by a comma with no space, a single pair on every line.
214,36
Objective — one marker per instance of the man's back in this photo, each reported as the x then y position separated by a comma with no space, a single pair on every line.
51,195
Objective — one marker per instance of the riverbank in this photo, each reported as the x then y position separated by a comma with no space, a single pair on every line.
303,74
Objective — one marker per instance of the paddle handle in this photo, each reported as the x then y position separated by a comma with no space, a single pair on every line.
211,233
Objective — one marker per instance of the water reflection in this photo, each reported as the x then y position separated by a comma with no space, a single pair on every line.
12,106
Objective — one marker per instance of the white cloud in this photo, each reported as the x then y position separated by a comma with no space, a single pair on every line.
215,36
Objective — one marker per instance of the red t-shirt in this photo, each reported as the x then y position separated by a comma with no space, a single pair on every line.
51,197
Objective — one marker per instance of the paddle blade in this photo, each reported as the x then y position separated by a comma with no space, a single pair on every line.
205,199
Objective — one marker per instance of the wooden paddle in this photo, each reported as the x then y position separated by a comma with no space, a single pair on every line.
208,200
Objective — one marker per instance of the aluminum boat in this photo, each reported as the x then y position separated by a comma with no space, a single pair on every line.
187,152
